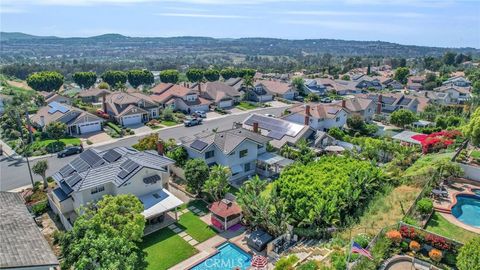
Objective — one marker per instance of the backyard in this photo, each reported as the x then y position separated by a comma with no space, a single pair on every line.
439,225
195,227
165,249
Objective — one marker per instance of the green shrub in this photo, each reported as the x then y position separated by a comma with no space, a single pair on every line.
310,265
410,220
425,206
114,127
40,208
362,240
286,263
89,142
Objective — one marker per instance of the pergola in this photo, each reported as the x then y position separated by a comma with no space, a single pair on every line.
225,214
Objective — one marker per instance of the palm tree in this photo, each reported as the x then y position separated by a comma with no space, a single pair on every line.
40,168
247,83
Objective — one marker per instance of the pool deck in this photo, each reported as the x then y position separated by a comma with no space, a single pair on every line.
444,205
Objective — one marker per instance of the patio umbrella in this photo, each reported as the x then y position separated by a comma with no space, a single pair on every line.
259,262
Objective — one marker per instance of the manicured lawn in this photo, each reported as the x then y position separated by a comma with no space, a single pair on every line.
168,123
475,154
195,227
246,106
66,141
199,204
165,249
51,146
440,225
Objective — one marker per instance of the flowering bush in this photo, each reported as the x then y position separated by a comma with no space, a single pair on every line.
408,232
435,255
414,246
394,236
437,241
437,140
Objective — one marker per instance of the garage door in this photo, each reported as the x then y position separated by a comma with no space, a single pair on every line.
90,127
226,103
132,119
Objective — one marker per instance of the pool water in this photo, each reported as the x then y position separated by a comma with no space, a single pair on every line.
476,191
467,210
229,256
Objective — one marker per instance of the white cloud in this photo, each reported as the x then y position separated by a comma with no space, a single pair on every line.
355,13
200,15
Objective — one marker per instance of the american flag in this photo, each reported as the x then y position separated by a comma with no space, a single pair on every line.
356,248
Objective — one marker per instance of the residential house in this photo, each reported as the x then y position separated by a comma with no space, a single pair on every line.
54,97
179,97
449,94
323,140
258,93
237,148
363,107
314,87
390,83
276,88
415,83
458,81
342,87
236,83
120,170
219,94
280,131
367,82
77,121
388,103
23,245
93,95
318,116
130,108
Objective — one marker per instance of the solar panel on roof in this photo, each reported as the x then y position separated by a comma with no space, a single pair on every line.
129,165
57,107
73,180
112,155
275,134
66,170
198,145
90,157
122,174
65,188
79,165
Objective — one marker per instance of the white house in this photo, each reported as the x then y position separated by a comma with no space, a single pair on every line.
179,97
451,94
277,88
77,121
120,170
318,116
130,108
459,81
363,107
236,148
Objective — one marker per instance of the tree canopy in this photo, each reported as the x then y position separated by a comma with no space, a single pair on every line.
194,75
402,117
56,130
326,191
472,129
401,74
211,75
137,77
40,168
114,77
169,76
106,236
469,256
228,73
216,185
45,81
85,79
196,173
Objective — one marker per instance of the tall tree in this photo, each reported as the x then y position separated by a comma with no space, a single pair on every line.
228,73
472,129
299,84
217,183
469,256
246,72
449,58
401,74
137,77
85,79
253,204
56,130
45,81
114,77
195,75
40,168
196,173
402,117
106,236
212,75
169,76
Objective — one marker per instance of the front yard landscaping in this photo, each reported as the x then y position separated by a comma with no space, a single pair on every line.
195,227
41,147
243,105
168,123
439,225
165,249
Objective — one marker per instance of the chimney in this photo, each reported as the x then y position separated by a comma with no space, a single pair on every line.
199,88
255,127
104,102
307,120
380,98
379,104
344,103
160,148
307,110
42,120
426,94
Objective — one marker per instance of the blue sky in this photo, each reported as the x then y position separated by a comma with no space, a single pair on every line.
444,23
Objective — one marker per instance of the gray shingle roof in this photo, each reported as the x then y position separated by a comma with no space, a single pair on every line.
21,242
94,169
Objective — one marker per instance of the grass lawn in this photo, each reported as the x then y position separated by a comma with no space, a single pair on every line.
424,164
168,123
165,249
66,141
195,227
475,154
384,210
440,225
246,106
199,204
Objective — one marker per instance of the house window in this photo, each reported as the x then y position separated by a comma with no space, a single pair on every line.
246,167
243,153
337,119
260,146
97,189
154,114
209,154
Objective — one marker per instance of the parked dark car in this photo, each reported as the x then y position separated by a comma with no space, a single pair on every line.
70,150
189,122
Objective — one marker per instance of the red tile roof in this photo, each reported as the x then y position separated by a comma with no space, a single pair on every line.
224,209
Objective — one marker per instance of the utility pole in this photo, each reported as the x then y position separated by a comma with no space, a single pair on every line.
25,146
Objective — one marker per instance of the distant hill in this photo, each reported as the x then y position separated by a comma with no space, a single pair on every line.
115,46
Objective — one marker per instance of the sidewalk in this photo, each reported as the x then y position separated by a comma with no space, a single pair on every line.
7,150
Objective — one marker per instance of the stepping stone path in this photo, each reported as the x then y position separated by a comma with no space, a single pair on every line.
184,235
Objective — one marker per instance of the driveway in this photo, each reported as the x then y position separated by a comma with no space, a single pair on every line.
276,104
95,137
140,129
213,115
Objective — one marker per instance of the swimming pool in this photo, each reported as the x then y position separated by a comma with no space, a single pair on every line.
476,191
467,209
229,256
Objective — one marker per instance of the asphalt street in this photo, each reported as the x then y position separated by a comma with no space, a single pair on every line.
14,172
